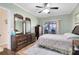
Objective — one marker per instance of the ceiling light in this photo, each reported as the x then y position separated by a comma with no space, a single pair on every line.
46,10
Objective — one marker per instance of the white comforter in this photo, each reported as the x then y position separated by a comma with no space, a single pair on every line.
57,42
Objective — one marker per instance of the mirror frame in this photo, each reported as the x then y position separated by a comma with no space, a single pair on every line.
27,19
20,17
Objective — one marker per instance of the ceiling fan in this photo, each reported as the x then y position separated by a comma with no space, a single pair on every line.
46,8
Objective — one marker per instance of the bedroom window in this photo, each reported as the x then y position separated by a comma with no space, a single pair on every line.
50,27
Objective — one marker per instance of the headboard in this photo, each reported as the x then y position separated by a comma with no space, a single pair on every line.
76,30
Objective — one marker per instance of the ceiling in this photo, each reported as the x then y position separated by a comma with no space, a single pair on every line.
64,8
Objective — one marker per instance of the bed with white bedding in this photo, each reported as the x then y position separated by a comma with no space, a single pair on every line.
56,42
52,43
49,44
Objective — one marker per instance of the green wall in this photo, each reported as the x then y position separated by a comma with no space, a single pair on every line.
15,9
65,22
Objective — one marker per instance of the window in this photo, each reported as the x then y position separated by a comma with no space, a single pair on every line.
50,27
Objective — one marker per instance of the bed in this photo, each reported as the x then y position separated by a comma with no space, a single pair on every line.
54,44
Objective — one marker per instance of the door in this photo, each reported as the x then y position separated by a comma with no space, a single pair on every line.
50,27
3,27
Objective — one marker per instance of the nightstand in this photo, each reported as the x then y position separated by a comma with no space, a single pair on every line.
75,47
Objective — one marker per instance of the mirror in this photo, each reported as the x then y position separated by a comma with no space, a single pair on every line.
18,24
27,25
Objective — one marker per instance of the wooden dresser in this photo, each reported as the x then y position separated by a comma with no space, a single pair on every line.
21,36
20,41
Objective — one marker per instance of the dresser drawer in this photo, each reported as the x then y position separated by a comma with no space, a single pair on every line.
18,38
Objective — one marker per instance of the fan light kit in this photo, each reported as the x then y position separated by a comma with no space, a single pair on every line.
45,11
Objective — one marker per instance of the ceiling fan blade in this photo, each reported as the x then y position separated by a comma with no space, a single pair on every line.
40,11
54,8
45,4
39,6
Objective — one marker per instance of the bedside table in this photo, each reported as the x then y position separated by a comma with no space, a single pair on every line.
75,44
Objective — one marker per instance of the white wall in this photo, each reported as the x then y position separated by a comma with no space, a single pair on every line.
65,22
6,25
3,27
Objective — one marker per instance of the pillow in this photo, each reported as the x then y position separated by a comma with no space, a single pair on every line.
71,35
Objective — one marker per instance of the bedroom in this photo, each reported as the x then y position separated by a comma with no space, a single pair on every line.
64,16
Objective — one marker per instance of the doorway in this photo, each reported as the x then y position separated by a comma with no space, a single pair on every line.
3,28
